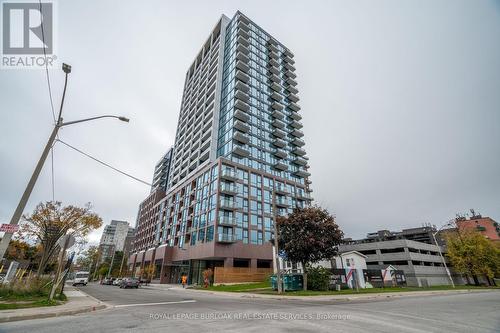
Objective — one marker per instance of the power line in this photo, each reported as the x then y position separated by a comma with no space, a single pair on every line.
103,163
47,76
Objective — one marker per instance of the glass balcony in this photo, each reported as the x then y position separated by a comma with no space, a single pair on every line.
242,48
279,133
296,124
291,81
229,174
241,86
241,137
294,107
275,96
292,90
277,106
226,238
280,166
302,173
228,188
275,86
300,161
280,153
241,115
278,123
279,143
229,221
242,66
242,76
273,63
243,41
240,151
274,78
281,202
298,142
241,56
228,204
289,59
241,126
241,101
293,98
299,151
243,26
297,133
295,115
274,70
281,188
278,114
290,67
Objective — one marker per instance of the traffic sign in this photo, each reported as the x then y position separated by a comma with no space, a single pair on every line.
9,228
62,241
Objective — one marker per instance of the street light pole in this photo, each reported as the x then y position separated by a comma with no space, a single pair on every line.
442,258
4,243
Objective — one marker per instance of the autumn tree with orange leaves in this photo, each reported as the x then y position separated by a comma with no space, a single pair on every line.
50,221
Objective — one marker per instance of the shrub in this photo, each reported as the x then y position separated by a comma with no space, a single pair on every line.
318,278
29,287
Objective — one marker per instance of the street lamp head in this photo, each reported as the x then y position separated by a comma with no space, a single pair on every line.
124,119
66,68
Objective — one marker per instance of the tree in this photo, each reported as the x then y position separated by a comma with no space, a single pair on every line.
308,235
88,258
50,221
472,254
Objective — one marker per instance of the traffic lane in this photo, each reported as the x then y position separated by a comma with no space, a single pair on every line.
115,295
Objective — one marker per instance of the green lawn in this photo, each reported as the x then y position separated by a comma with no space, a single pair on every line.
19,302
265,288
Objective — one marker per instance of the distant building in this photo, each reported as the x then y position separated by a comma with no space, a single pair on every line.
484,225
114,238
420,234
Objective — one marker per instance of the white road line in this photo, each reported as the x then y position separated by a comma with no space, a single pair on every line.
160,303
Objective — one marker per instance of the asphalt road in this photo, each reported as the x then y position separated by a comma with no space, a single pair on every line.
148,310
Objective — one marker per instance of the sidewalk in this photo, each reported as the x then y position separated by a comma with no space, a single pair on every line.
78,302
345,297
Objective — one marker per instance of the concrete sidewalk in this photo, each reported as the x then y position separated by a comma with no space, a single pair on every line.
78,302
344,297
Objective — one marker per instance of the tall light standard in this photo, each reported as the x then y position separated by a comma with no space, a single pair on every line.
441,253
4,243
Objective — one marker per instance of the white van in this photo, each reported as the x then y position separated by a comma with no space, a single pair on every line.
81,278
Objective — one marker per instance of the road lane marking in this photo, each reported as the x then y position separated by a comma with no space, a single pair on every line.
160,303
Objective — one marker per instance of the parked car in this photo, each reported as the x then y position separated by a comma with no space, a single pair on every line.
129,283
117,282
108,281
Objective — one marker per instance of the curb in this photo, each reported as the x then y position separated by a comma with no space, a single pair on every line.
351,297
53,314
83,309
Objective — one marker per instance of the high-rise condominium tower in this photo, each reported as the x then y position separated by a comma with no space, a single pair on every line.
237,163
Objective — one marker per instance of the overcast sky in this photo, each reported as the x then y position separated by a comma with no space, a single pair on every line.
400,101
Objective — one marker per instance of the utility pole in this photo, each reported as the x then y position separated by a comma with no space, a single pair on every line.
111,265
59,268
442,258
4,243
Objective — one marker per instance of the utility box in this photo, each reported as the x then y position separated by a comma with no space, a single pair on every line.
290,282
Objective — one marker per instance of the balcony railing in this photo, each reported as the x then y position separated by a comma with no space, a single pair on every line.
228,188
226,238
228,204
227,220
229,174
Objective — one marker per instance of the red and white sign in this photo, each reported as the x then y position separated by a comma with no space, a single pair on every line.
9,228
